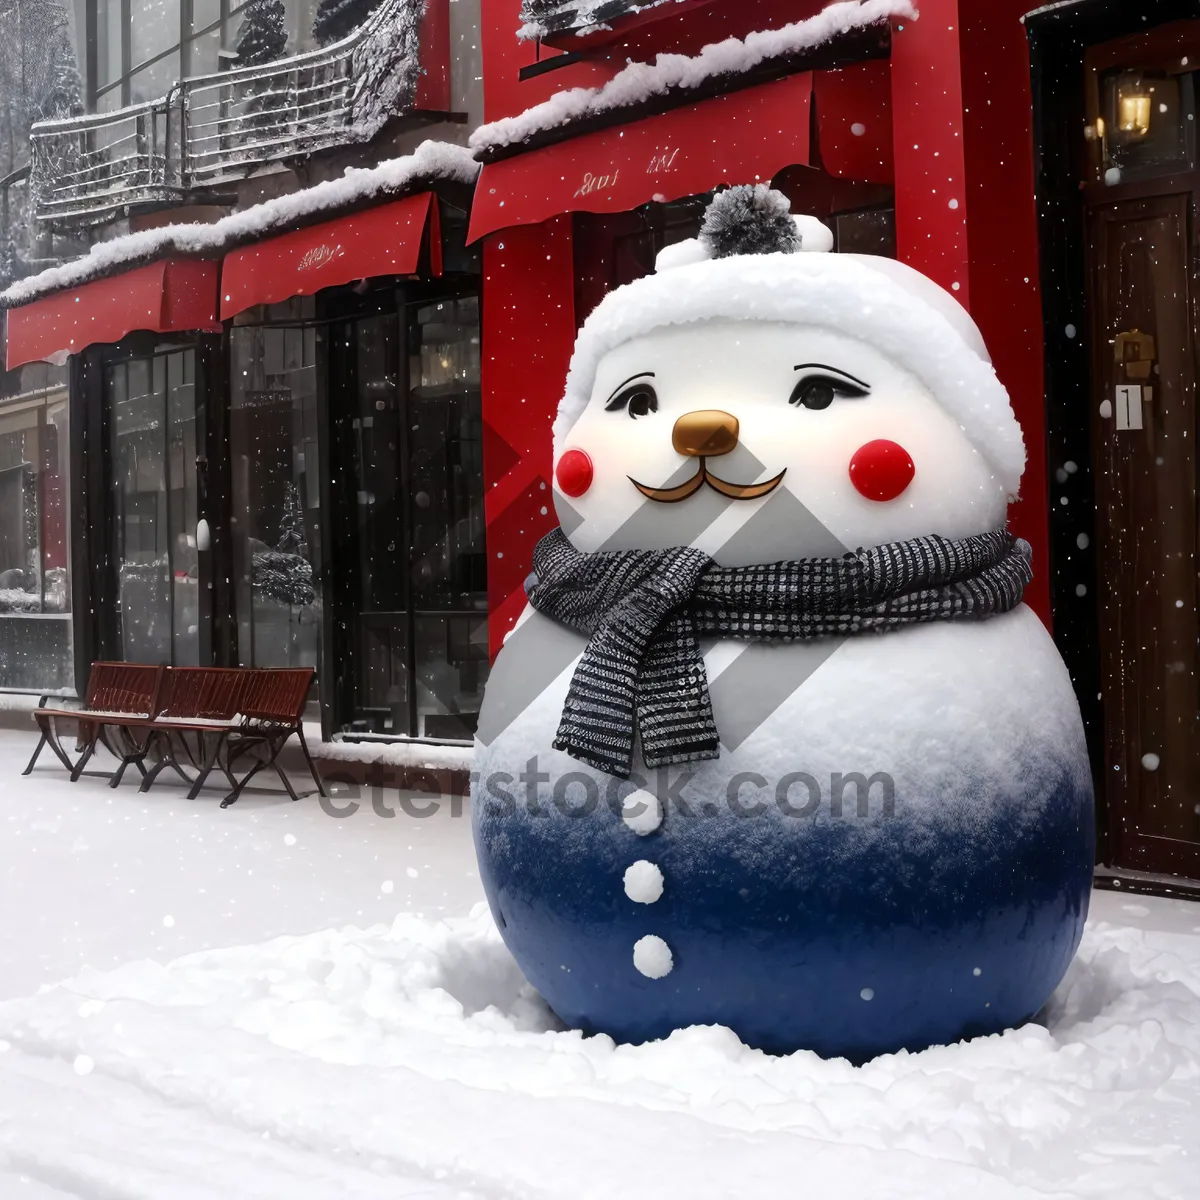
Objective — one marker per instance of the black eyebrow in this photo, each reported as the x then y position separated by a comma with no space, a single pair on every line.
835,370
639,375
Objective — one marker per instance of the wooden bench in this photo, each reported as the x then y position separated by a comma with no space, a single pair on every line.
272,707
124,697
201,702
229,711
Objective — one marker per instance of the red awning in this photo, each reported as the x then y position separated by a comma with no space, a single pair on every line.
170,296
741,137
378,241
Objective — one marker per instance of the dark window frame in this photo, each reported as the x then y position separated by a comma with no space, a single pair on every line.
341,598
121,82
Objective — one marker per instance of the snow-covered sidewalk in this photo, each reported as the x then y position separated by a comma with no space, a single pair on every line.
410,1059
94,877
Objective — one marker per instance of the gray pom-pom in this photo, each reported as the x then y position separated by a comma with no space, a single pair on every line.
750,219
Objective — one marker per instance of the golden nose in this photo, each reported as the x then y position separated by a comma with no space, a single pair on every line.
705,433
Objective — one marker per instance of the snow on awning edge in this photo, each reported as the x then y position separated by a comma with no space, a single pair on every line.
430,162
639,82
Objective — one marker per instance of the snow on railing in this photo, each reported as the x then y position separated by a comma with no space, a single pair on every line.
215,128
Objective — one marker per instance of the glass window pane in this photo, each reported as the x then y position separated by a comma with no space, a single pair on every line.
1146,126
152,426
108,102
446,536
155,81
108,42
18,518
182,514
205,13
452,665
204,57
56,593
35,598
276,494
154,26
139,485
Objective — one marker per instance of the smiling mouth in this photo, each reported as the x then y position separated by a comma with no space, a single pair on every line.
733,491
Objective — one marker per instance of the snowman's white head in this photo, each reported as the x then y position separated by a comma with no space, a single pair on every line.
777,405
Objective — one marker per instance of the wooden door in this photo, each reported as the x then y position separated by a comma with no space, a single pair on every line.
1144,450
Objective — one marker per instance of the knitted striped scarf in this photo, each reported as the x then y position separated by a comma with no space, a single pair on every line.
645,610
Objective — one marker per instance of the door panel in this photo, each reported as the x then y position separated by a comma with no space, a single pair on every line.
275,526
1144,444
152,452
408,566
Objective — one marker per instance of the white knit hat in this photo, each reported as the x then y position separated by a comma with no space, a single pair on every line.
754,261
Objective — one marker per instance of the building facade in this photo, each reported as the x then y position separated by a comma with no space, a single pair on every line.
330,441
267,408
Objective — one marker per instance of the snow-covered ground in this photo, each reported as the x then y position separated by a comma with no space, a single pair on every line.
402,1055
91,877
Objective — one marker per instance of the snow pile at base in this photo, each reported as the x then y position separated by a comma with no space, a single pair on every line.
430,161
414,1060
639,82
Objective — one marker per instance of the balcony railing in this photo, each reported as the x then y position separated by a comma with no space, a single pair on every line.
216,128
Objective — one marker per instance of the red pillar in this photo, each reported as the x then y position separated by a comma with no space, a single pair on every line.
965,211
1006,299
927,124
528,336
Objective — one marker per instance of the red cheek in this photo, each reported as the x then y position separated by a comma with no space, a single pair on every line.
881,470
574,472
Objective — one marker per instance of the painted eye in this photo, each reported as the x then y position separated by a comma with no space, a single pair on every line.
638,399
820,391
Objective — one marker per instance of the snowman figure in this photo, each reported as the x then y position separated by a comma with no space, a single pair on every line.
776,745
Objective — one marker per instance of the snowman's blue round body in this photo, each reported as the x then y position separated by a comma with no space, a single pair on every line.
949,908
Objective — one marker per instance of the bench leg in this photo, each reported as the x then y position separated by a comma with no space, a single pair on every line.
49,738
210,761
312,767
88,750
240,785
41,742
274,747
148,777
287,783
130,753
126,760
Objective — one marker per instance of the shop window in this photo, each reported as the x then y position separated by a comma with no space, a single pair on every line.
410,561
152,450
1146,124
447,557
35,592
274,448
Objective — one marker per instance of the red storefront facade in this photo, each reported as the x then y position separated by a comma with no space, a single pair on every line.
936,140
1023,160
902,129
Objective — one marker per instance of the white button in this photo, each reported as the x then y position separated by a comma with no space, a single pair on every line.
643,882
652,956
642,812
